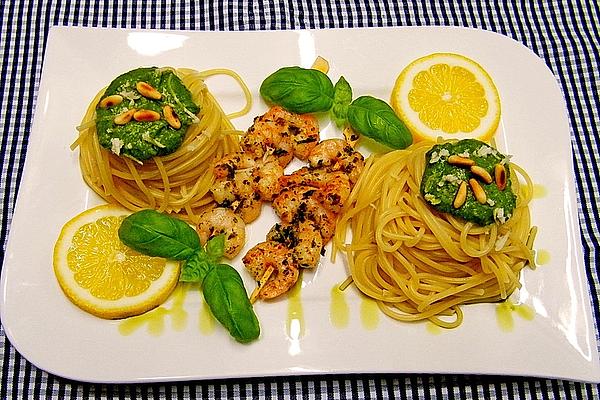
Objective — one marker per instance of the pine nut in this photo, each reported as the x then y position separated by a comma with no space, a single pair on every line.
171,117
461,195
110,101
478,191
148,90
482,173
146,116
500,176
124,117
461,161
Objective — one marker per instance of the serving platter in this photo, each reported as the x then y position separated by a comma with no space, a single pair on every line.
548,331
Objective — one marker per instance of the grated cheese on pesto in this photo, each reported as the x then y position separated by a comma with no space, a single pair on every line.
485,151
506,159
130,95
435,156
449,179
432,199
115,145
499,215
146,136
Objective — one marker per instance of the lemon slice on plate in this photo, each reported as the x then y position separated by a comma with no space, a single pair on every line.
447,95
103,276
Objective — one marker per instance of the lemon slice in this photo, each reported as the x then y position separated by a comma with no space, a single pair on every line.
104,277
447,95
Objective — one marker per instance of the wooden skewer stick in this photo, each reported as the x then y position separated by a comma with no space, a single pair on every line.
261,283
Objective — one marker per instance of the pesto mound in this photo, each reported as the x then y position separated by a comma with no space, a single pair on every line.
142,139
442,179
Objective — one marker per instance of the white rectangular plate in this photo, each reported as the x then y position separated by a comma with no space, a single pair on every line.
299,336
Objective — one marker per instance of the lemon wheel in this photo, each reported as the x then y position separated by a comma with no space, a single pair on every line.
104,277
447,95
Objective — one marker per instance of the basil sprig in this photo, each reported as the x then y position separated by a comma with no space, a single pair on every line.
299,90
376,119
160,235
302,90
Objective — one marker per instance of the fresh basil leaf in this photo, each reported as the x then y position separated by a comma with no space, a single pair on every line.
215,247
226,296
376,119
196,267
299,90
342,97
159,235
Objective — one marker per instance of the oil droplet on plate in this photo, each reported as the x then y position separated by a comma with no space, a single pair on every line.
525,312
433,328
505,314
206,321
369,313
339,312
539,191
154,320
295,320
542,257
505,317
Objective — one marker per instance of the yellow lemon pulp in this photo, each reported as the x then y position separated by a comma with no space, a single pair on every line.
104,277
447,95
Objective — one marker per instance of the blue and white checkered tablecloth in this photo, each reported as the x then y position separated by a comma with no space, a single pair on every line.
565,34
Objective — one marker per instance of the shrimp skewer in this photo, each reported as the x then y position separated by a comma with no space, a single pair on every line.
276,256
307,201
302,238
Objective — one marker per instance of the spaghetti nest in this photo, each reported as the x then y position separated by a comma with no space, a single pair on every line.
175,183
418,263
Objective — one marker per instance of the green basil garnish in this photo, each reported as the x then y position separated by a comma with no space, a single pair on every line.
226,297
155,234
376,119
299,90
160,235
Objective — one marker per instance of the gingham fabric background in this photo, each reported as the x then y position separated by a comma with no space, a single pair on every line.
563,33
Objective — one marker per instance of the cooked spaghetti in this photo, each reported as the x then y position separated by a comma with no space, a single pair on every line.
418,263
178,182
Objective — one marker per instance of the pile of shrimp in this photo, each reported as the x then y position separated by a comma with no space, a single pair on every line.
307,201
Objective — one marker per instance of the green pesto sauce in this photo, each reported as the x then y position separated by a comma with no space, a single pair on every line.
143,140
441,181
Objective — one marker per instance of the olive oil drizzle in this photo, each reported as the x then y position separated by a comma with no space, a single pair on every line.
154,320
539,191
542,257
369,313
505,314
339,311
295,326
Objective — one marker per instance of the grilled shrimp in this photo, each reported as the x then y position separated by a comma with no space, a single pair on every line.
335,187
223,221
265,178
229,164
277,256
282,133
233,187
302,238
300,203
337,155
